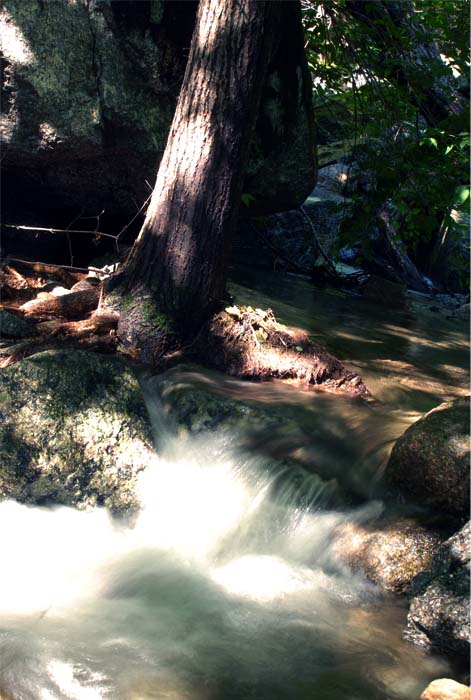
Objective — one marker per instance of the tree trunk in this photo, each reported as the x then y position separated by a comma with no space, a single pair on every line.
180,256
411,55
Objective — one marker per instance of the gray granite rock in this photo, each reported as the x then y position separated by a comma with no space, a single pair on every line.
74,430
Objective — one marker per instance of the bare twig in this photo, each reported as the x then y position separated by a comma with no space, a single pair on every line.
60,230
31,263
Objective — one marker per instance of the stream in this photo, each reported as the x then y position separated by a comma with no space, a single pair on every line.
226,585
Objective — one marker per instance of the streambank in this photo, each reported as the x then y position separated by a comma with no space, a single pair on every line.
229,564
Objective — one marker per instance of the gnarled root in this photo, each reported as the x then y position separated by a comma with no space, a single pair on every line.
251,343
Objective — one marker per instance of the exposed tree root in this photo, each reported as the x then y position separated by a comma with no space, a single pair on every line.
73,305
251,343
241,341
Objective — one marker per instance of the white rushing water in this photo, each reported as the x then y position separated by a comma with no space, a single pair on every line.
220,589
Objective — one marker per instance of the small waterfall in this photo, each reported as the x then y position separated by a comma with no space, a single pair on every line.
225,587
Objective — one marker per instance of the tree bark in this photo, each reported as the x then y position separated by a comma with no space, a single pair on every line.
180,256
412,56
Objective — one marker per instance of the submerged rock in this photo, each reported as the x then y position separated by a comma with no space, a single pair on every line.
74,430
391,294
430,462
439,614
446,689
391,554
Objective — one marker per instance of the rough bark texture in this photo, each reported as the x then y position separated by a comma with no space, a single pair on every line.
411,54
181,252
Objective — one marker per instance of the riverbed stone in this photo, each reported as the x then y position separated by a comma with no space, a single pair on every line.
446,689
439,614
430,462
390,553
74,430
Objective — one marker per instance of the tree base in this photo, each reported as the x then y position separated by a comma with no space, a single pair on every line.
240,341
252,344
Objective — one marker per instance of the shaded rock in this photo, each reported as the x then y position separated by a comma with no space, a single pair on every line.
391,554
74,430
462,312
196,411
446,689
93,139
387,293
295,240
13,326
439,614
430,462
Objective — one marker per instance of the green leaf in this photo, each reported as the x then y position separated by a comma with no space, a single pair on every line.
247,198
299,348
462,194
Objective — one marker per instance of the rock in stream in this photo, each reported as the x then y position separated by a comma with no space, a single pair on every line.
74,430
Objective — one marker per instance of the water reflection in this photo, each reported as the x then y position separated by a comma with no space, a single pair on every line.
428,351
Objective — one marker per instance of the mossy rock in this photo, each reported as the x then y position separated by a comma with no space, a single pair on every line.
74,430
430,462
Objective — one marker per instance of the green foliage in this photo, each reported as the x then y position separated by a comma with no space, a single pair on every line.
368,114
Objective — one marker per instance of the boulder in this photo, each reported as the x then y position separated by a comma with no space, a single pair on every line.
430,462
88,96
74,430
446,689
439,614
390,553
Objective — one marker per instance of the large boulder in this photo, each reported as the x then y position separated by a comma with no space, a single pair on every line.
297,240
74,430
89,90
391,553
430,462
439,614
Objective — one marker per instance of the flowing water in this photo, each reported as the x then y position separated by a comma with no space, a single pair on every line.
226,585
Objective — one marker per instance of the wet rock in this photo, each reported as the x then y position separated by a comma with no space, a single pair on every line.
390,294
439,614
74,430
196,411
13,326
430,462
462,312
391,554
446,689
261,431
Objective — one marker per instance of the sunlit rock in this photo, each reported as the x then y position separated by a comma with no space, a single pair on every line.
391,554
74,430
446,689
430,462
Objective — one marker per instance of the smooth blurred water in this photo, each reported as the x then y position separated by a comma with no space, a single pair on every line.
226,585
